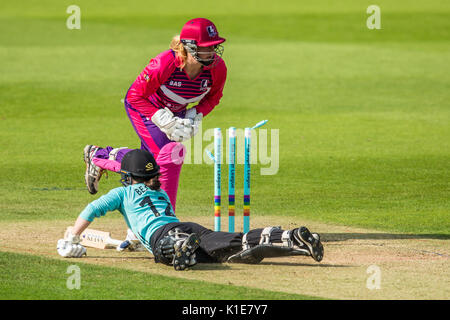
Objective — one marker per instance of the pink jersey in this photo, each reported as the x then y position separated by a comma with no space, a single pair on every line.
163,84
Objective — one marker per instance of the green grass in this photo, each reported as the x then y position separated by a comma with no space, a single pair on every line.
24,277
363,115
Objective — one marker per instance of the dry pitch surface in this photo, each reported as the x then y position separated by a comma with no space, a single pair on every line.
409,266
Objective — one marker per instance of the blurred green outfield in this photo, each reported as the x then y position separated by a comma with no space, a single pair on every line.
363,117
363,114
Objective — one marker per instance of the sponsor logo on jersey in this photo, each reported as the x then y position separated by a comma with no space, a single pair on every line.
175,83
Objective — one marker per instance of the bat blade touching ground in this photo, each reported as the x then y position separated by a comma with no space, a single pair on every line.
96,239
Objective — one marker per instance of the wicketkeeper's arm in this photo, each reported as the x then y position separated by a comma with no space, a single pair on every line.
148,82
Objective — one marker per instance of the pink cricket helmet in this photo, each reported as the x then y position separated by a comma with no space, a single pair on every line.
202,31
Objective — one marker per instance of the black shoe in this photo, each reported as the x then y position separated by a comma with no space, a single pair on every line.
311,241
185,255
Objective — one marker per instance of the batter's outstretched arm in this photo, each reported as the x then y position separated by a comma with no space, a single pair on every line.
80,225
70,246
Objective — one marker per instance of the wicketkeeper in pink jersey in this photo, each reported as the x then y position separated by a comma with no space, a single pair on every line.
156,104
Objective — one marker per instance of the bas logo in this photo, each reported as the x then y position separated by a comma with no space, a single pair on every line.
175,83
149,166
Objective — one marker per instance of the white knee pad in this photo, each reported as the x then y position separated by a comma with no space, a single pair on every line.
114,152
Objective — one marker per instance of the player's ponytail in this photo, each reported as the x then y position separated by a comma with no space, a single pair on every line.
153,183
179,49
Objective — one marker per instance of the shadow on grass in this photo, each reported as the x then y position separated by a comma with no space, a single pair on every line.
198,266
330,237
211,266
296,264
118,257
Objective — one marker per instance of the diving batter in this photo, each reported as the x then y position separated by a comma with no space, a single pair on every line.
149,214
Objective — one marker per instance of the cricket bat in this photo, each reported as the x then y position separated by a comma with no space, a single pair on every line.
96,239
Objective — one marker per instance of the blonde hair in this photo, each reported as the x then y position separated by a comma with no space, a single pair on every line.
179,49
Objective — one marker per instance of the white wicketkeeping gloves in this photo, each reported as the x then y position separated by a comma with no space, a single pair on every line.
70,247
178,129
195,118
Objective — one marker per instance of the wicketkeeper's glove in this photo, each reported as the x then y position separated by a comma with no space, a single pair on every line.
195,118
175,128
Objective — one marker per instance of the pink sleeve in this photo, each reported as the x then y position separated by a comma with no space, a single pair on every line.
219,75
149,80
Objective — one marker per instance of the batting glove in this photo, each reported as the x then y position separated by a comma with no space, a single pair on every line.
131,243
70,247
